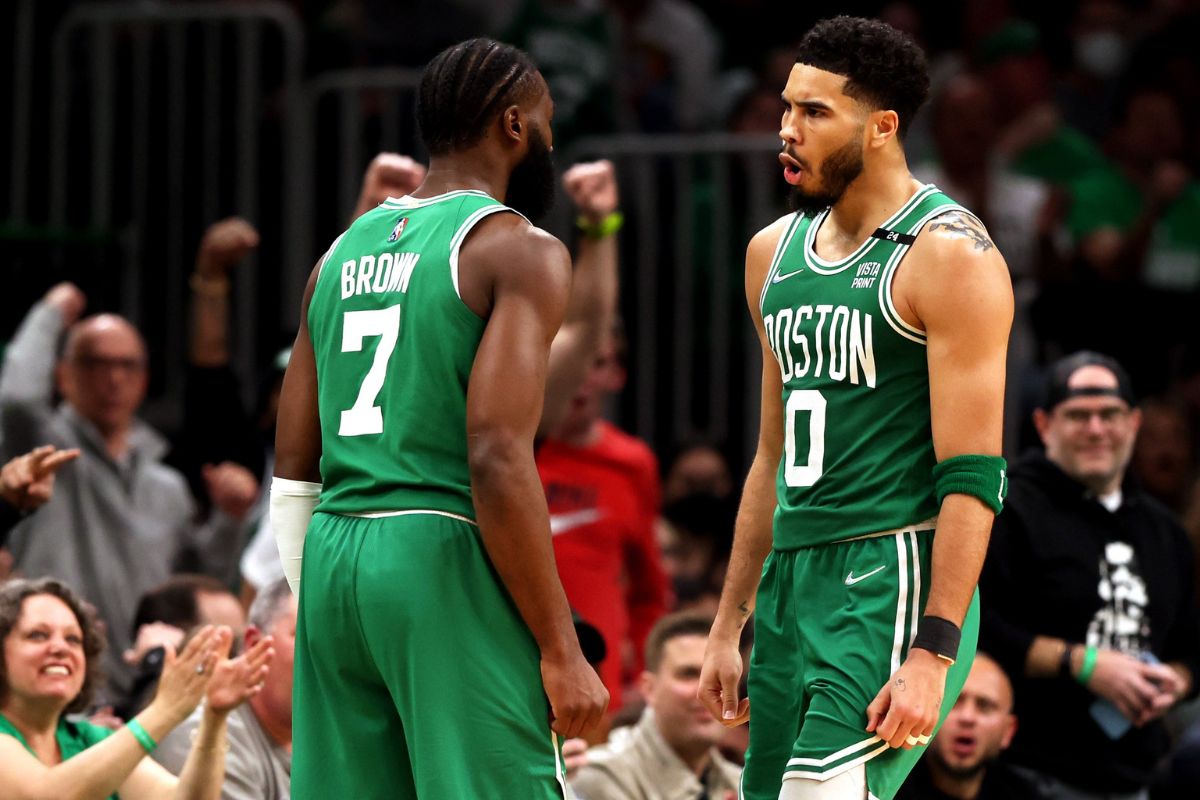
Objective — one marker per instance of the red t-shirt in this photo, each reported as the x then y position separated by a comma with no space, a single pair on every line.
603,502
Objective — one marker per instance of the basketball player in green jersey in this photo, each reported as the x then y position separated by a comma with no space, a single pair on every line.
883,309
432,625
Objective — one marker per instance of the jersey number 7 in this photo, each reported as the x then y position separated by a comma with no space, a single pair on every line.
364,417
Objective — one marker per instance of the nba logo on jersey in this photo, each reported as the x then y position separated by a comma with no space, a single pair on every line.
399,229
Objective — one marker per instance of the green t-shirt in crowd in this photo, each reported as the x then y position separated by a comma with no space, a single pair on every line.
1106,198
1063,157
73,737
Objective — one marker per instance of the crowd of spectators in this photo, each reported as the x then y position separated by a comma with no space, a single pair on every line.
146,558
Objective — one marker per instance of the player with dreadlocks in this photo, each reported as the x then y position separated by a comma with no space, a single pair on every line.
432,626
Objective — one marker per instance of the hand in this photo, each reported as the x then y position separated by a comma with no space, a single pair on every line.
719,678
231,487
908,705
69,301
225,243
592,187
238,679
574,756
1126,681
182,684
389,175
577,697
27,481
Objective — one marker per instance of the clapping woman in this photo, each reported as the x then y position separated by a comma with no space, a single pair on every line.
50,666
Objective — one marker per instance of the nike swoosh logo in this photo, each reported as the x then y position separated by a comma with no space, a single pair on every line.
561,523
780,278
851,580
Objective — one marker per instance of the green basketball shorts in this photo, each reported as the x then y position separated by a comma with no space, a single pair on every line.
415,677
831,625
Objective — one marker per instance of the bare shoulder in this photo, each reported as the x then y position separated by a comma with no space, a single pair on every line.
956,270
507,240
503,252
761,251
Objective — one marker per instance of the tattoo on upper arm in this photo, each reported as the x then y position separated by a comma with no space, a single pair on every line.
960,224
745,609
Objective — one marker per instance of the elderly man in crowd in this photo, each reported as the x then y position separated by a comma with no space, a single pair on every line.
1089,591
671,753
120,521
258,765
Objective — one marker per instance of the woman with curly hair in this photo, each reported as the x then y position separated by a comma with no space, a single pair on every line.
49,669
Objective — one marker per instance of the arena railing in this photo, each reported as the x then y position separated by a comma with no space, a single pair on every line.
165,116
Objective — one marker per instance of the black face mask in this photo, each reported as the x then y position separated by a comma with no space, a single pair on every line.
838,171
532,183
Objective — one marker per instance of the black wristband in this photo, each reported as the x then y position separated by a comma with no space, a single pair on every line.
1064,663
939,636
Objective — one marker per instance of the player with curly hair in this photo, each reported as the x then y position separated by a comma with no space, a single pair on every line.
883,310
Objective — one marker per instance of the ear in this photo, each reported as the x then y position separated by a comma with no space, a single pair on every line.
1010,729
64,379
251,636
885,126
512,124
1041,421
646,686
1135,420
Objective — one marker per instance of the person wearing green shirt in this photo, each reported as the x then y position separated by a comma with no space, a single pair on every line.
51,667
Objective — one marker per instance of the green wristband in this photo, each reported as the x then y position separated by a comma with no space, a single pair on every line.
144,739
980,476
605,227
1088,667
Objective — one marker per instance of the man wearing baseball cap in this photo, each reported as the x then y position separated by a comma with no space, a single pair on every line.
1087,593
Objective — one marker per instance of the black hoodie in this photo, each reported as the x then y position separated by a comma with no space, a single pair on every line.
1051,550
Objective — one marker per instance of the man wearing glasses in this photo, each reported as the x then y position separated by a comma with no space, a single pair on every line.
121,521
1087,595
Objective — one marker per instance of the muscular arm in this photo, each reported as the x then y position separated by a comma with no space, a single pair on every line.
963,297
955,285
753,528
298,431
528,273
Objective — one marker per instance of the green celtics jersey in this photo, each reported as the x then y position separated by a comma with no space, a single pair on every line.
394,348
858,446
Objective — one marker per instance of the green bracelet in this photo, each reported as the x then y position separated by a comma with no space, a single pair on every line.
1089,665
144,739
605,227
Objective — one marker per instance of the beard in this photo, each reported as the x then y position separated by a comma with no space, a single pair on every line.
532,182
837,172
962,772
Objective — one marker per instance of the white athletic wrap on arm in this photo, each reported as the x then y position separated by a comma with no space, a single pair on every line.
292,504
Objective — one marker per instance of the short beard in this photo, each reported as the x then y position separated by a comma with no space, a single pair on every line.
960,773
532,182
837,172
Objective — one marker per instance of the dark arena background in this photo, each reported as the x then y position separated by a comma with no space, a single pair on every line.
1071,128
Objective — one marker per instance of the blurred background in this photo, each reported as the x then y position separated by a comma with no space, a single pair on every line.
1071,128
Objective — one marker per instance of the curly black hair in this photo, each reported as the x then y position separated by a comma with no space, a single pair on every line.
884,67
465,86
12,597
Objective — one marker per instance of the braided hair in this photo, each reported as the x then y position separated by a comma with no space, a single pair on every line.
465,86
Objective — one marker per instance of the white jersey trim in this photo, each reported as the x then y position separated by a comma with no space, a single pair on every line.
324,258
780,248
420,202
838,770
382,514
461,234
916,527
824,266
